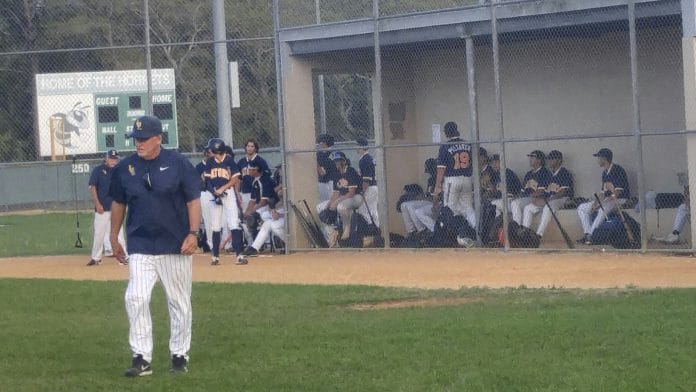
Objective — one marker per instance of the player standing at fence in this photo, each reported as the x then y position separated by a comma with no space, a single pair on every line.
453,182
615,189
221,176
251,159
161,190
560,188
369,183
99,183
326,168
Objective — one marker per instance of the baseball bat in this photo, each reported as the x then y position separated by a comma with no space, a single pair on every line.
315,226
565,235
313,231
305,225
601,207
627,227
78,242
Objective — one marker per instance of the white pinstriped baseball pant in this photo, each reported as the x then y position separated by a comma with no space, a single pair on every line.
174,271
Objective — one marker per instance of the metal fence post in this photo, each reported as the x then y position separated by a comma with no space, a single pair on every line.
499,118
222,80
474,130
148,55
379,134
636,122
320,78
281,117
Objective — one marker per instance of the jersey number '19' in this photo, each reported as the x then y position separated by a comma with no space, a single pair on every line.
461,160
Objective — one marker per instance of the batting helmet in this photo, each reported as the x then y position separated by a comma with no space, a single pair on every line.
216,146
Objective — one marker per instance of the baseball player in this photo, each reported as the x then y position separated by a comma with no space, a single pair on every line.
418,214
683,214
514,186
326,168
251,158
262,192
369,183
560,188
221,176
453,180
535,183
205,207
99,182
161,190
615,189
273,221
346,197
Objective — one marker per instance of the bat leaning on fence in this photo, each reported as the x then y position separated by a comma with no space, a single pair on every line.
629,232
565,235
315,226
315,237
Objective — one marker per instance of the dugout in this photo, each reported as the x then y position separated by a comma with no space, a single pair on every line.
566,84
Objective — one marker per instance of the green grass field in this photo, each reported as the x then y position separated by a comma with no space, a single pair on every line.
70,335
45,234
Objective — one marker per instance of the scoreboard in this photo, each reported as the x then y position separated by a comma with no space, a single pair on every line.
86,113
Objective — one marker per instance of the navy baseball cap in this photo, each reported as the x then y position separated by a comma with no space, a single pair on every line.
604,153
112,154
483,152
338,155
146,127
362,141
555,154
536,154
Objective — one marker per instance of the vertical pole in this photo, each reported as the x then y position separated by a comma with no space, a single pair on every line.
636,121
320,78
379,134
222,82
148,56
281,117
688,17
499,118
474,130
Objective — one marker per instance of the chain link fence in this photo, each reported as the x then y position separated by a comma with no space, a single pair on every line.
518,78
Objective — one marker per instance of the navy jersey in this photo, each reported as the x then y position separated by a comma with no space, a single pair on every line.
367,169
100,179
156,193
455,158
218,174
243,166
200,169
324,161
536,180
349,179
561,179
431,184
262,188
616,176
514,186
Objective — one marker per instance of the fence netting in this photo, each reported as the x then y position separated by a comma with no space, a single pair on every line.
557,132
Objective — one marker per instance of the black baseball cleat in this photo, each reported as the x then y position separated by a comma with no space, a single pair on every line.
139,368
241,260
179,364
250,251
93,262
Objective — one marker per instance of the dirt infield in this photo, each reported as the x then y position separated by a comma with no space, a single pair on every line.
399,268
